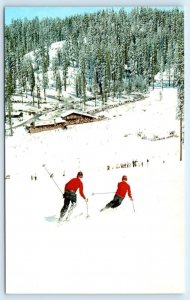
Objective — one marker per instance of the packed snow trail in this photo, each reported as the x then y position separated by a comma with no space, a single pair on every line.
99,246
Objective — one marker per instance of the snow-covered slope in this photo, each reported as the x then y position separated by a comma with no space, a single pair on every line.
118,251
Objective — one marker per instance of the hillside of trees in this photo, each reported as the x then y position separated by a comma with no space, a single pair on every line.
112,53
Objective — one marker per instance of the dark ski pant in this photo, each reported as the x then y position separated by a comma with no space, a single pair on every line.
117,200
69,197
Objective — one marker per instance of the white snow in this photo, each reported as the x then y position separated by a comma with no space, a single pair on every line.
117,251
53,49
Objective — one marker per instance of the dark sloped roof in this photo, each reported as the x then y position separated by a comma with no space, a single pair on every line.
70,112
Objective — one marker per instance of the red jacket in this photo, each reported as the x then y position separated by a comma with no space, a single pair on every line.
75,184
122,188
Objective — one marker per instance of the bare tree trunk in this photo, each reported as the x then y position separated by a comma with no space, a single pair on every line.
32,94
45,94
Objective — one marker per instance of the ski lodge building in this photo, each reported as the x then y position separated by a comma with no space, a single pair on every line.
74,117
70,117
39,126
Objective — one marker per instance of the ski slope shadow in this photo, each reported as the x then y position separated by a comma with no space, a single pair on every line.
53,218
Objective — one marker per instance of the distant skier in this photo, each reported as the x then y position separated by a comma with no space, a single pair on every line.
122,189
69,195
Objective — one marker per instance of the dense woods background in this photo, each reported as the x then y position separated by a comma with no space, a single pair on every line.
111,53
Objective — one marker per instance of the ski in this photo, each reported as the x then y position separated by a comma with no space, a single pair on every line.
66,220
60,222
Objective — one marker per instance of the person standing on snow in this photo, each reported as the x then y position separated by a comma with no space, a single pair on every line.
122,189
69,195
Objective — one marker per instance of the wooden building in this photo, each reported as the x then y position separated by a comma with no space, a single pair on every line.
46,125
76,117
16,114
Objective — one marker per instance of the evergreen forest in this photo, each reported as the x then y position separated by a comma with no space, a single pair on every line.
113,53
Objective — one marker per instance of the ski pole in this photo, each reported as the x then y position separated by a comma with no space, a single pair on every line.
51,176
87,215
103,193
133,204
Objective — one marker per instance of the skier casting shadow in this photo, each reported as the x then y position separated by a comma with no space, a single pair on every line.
70,196
122,189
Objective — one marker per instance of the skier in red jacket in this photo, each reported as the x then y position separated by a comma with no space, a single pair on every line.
122,189
69,195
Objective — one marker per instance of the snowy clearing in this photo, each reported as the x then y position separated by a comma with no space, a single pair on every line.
117,251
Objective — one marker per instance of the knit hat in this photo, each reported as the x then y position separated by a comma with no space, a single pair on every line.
80,174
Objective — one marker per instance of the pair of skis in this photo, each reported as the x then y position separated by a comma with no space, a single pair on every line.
71,209
113,193
68,217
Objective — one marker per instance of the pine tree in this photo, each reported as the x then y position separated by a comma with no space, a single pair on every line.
8,94
65,65
31,79
82,72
